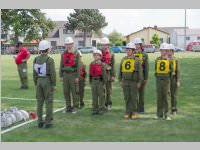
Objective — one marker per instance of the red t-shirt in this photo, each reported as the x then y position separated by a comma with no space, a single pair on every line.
23,54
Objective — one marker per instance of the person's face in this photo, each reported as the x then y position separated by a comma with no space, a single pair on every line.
170,52
129,52
69,46
138,47
163,53
105,46
97,56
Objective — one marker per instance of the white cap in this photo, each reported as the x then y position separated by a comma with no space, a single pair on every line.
68,40
137,41
105,40
97,52
165,46
43,45
130,45
172,47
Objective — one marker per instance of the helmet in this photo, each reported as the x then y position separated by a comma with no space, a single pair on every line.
80,53
12,116
25,114
68,40
32,114
105,40
172,47
3,120
165,46
130,45
137,41
43,45
97,52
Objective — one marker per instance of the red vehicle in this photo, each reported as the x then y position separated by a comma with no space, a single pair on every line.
194,46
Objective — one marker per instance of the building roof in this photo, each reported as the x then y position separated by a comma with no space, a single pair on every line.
55,32
194,31
170,29
145,28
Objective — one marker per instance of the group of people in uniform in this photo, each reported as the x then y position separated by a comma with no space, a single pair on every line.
132,77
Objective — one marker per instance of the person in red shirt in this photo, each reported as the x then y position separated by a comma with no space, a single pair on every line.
21,61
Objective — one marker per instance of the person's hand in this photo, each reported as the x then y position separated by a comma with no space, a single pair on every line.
14,56
23,60
178,84
112,79
61,79
53,88
138,85
76,80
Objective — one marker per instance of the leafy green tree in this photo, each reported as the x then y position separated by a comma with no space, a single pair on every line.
116,38
155,40
86,20
28,23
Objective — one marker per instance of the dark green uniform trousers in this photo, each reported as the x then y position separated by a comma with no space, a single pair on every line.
44,93
162,85
69,86
22,71
108,89
81,90
98,99
130,96
140,105
173,93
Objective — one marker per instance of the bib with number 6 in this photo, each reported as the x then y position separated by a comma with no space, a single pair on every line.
40,69
128,65
162,66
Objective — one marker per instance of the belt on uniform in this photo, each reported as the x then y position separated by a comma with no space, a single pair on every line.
96,78
48,75
69,71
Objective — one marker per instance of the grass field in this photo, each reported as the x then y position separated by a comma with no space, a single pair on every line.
111,126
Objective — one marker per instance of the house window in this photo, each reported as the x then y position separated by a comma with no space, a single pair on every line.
53,43
80,43
65,31
142,40
198,37
187,38
161,40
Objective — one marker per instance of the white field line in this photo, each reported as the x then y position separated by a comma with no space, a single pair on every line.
25,99
27,122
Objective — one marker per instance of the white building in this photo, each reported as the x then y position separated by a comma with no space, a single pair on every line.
177,35
59,33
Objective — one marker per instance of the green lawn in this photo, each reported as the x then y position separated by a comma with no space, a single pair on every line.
111,126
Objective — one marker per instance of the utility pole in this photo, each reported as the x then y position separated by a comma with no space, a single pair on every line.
185,32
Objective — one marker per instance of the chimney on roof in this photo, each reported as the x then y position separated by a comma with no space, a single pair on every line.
155,27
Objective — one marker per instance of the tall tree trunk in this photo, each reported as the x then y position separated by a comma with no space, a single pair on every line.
84,38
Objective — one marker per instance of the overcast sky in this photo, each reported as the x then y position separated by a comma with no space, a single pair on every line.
127,21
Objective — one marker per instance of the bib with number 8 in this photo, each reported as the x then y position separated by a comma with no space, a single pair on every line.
128,65
162,66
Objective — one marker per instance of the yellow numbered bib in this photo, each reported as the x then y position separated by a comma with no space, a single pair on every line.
139,55
128,65
174,65
162,66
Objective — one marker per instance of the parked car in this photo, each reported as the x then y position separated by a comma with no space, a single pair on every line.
149,48
178,49
123,49
194,46
116,49
88,49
